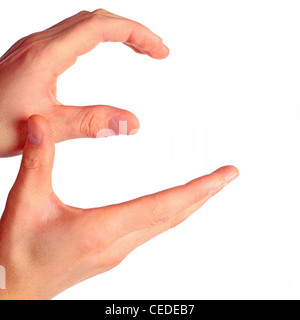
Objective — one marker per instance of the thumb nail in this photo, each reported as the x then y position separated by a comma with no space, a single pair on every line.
122,125
35,133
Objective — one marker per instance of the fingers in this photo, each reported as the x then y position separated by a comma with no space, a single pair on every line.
89,30
38,156
91,122
229,173
121,248
165,209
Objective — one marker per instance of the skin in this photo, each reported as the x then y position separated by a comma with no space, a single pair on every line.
29,72
45,245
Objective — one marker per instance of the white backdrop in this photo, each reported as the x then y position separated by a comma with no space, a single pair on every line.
228,94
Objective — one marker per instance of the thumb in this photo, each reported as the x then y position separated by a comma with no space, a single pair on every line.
69,122
38,156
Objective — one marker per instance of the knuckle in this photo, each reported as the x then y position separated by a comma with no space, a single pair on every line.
34,51
89,124
194,196
84,12
158,214
97,18
25,41
159,217
28,39
100,11
31,163
31,40
147,43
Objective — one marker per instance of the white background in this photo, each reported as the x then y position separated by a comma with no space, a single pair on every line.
228,94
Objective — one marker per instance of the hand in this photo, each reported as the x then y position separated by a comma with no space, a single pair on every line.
47,246
29,72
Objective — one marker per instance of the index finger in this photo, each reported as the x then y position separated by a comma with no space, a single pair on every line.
167,206
164,209
101,26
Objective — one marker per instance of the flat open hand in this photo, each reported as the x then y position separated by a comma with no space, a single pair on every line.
29,72
47,246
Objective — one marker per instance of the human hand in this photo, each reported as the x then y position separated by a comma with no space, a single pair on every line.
29,72
47,246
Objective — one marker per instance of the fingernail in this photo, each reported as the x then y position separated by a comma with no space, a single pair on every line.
122,126
35,133
228,175
231,178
